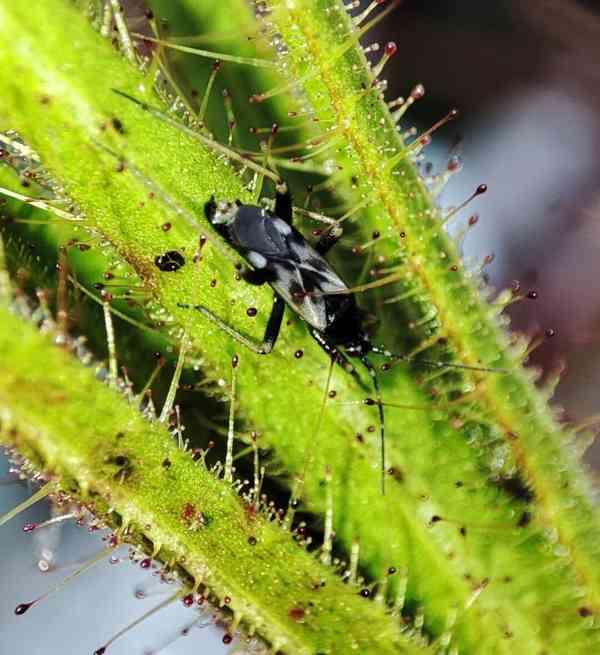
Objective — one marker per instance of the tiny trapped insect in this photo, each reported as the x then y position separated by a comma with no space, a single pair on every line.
300,276
303,279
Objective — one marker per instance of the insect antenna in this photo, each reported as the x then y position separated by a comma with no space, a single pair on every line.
429,362
308,452
373,373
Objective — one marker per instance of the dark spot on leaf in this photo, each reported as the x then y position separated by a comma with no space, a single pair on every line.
395,472
118,126
516,487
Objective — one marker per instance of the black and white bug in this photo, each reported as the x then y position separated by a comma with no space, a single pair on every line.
301,277
298,273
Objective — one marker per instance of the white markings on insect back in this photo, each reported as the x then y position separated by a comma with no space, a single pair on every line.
316,267
290,286
256,259
302,274
326,279
281,226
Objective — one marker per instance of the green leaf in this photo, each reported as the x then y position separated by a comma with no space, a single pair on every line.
487,512
131,473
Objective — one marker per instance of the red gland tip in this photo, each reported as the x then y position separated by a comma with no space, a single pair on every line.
391,48
418,92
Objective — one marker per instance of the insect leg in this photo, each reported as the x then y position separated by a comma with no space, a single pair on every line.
441,365
271,331
283,203
373,373
332,350
273,325
256,276
336,355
